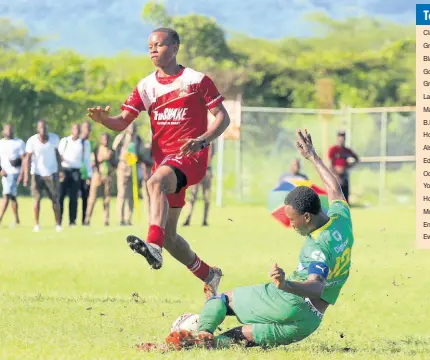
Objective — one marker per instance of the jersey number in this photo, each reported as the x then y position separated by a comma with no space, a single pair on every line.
341,263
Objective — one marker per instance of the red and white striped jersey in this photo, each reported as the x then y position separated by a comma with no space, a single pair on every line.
177,105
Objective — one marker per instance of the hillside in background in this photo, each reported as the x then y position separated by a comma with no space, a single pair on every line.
103,27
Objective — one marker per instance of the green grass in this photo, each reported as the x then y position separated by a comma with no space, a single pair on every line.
70,295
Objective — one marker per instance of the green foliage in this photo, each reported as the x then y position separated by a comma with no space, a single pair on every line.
371,62
156,14
14,37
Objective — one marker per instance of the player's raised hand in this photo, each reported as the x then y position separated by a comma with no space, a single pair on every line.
278,276
191,146
98,114
304,144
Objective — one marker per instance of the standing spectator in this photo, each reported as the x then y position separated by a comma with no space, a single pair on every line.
86,130
102,176
75,153
342,159
12,152
294,173
42,152
206,189
127,142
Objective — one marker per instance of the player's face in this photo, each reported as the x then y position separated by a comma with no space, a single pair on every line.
161,49
299,223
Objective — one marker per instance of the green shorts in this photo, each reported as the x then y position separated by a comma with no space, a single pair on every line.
277,317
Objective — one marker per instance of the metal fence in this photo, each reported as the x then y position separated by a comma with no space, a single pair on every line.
384,139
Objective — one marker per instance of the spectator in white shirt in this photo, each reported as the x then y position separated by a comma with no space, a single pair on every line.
75,153
42,151
11,155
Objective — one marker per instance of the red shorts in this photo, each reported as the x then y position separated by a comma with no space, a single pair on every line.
194,169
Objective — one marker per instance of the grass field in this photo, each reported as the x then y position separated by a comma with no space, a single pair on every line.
82,294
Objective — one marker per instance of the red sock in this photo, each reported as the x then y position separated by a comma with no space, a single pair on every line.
199,268
155,235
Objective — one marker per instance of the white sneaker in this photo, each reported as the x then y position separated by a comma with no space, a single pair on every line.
58,228
211,286
36,228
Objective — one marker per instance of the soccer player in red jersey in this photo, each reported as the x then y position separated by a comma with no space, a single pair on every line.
177,100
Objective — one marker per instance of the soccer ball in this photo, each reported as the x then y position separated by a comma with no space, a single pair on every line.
187,321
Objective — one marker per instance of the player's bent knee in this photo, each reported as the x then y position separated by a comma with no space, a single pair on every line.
224,297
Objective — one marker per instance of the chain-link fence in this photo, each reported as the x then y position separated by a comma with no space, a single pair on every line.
384,139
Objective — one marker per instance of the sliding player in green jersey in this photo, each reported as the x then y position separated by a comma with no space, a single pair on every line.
287,310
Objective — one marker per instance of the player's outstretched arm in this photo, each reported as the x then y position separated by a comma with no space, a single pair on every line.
117,123
307,150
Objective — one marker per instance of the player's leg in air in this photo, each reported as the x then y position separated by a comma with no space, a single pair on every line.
166,188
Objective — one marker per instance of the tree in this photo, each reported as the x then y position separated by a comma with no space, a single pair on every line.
200,36
155,13
14,37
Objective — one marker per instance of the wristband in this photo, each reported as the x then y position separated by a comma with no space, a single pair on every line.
204,142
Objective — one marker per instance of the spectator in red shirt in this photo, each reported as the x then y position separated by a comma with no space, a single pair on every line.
342,159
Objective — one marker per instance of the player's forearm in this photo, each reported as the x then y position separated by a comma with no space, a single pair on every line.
307,289
117,123
217,128
328,178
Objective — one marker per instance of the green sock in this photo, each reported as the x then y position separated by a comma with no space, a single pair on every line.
212,315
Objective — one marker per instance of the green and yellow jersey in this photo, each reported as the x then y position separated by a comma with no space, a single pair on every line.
330,245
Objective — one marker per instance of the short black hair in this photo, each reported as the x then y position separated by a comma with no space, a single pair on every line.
304,200
171,33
